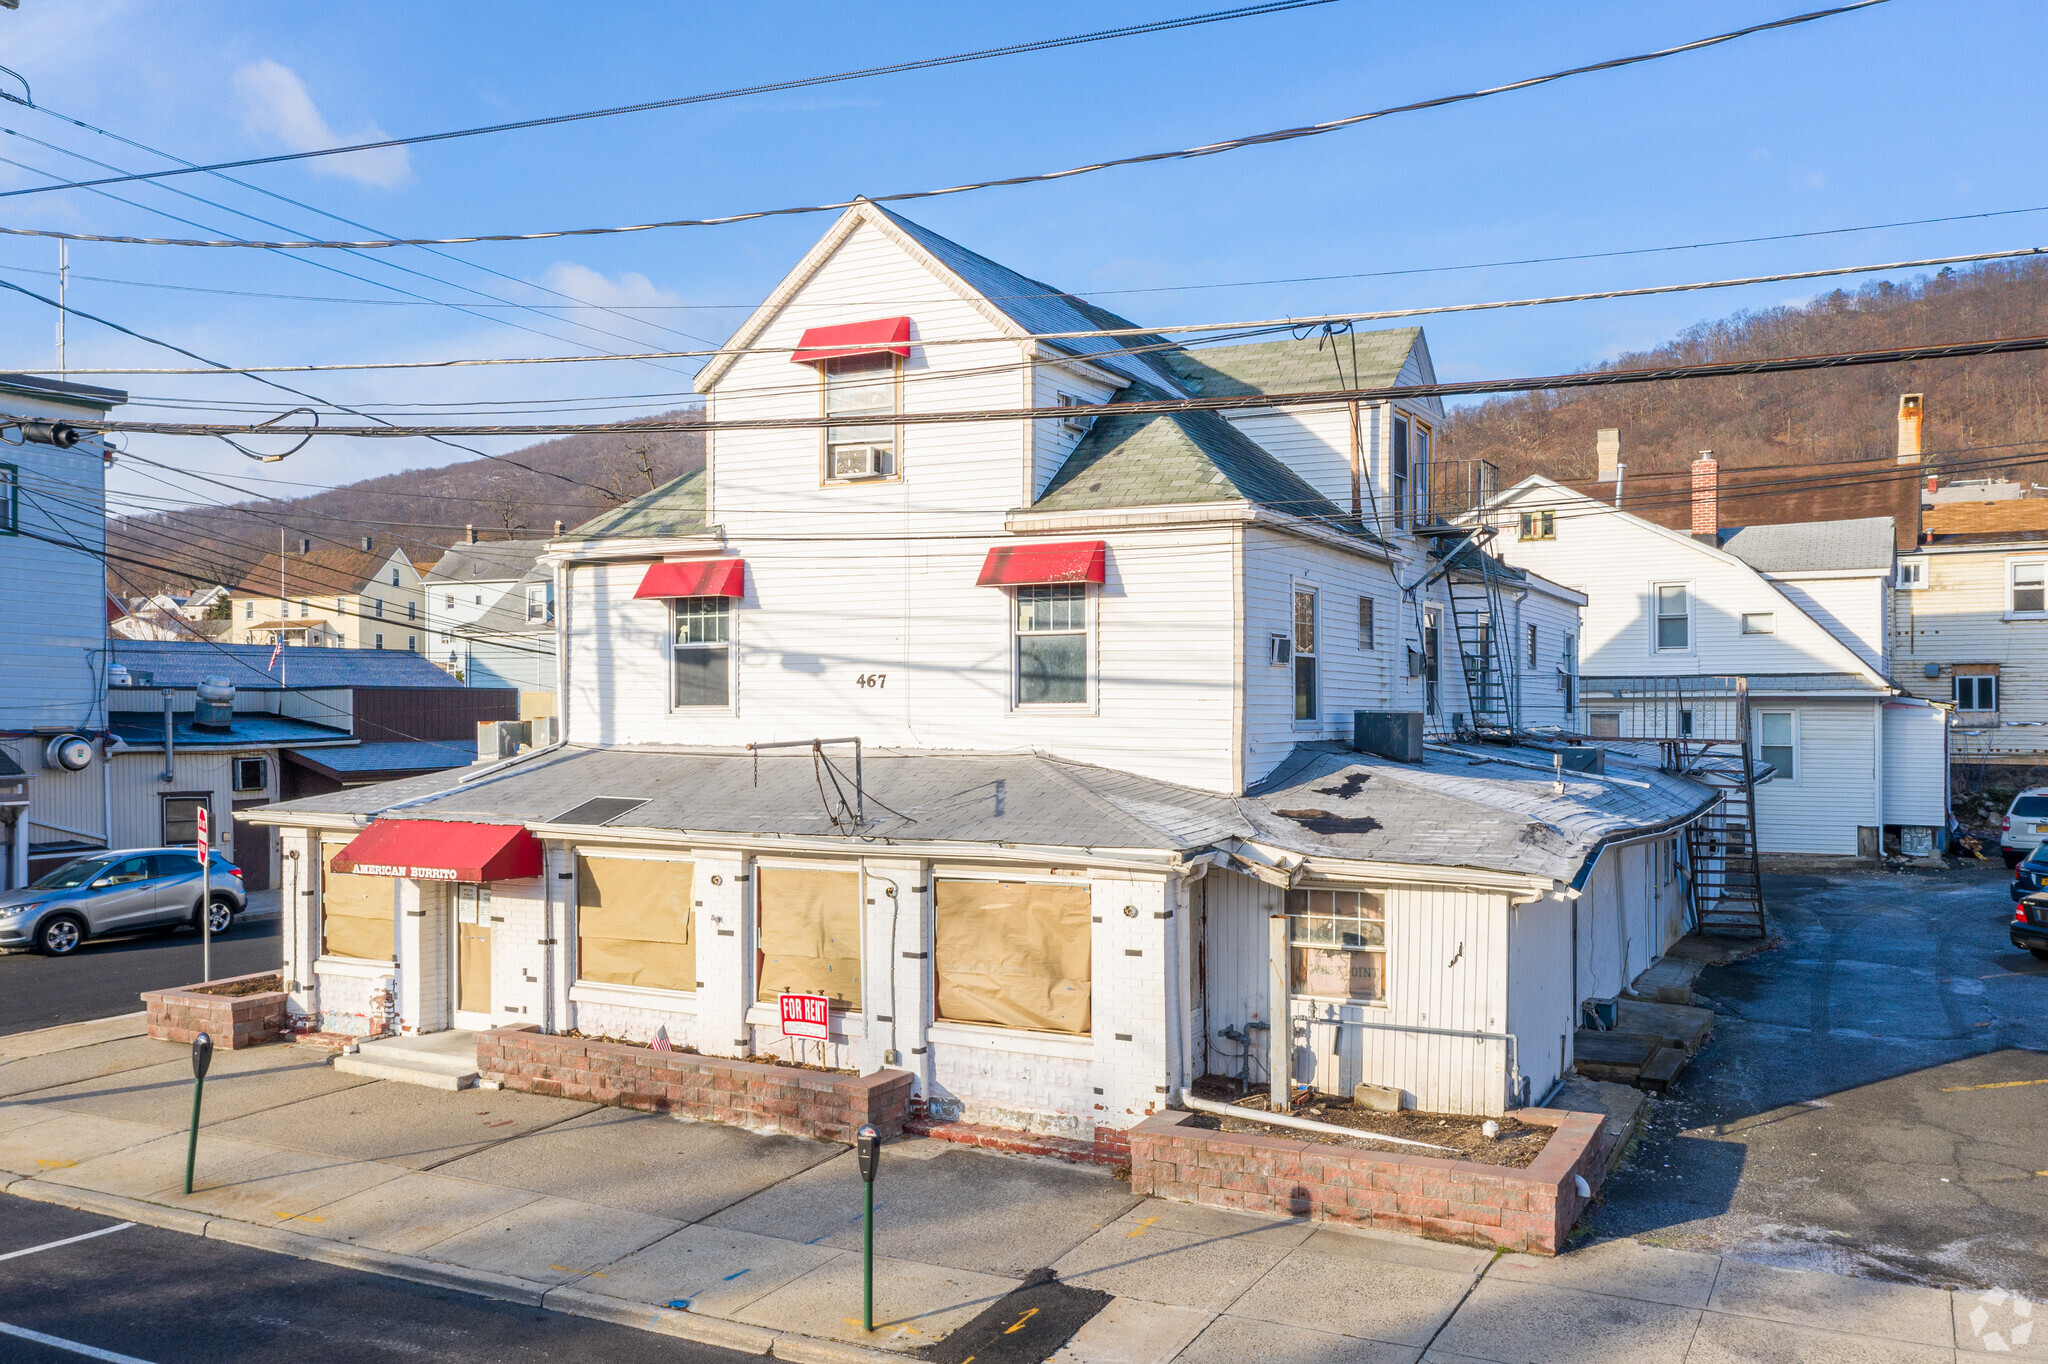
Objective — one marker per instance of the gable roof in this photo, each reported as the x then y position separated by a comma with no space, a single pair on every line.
1814,546
324,572
675,508
487,561
1294,365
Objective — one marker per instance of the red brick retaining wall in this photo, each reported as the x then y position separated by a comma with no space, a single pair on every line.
1110,1146
807,1103
1531,1209
230,1020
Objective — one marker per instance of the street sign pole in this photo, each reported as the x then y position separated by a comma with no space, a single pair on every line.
867,1145
205,906
202,1057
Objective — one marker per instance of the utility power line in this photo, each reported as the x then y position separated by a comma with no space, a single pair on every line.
774,87
1185,153
1267,324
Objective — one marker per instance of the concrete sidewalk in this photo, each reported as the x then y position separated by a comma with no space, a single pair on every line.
752,1241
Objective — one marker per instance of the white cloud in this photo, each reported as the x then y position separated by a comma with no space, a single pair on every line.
275,105
586,285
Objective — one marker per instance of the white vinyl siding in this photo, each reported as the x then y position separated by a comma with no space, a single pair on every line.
55,624
1959,617
1835,784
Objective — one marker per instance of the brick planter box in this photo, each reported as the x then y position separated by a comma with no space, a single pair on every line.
1531,1209
232,1021
807,1103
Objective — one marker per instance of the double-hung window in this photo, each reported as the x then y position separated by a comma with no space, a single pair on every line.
1399,470
703,651
1978,692
2029,592
1674,617
1306,697
1052,644
1337,944
1531,648
540,603
1777,742
10,500
860,398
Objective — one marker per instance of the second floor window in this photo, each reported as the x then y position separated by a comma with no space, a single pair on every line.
1306,698
1052,644
1539,525
380,608
703,651
540,603
412,610
248,610
1977,693
1399,471
1532,648
394,577
1674,617
305,608
1366,638
2029,588
1777,741
860,392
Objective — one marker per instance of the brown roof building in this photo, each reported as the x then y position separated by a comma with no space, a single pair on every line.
364,595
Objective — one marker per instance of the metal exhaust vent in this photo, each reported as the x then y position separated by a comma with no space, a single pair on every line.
600,810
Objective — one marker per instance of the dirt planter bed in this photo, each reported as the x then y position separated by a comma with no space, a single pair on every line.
238,1011
1529,1209
764,1098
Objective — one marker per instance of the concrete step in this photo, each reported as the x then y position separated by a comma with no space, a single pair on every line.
438,1060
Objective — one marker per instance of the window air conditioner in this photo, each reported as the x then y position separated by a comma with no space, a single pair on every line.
1283,650
858,461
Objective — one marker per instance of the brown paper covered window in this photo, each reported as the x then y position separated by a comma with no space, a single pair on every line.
355,911
634,923
809,934
1014,954
1338,942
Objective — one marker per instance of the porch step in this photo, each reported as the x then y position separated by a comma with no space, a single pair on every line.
438,1060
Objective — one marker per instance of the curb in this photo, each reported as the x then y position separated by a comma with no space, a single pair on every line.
565,1298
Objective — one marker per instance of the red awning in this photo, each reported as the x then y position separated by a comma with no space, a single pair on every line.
884,336
695,578
441,850
1075,561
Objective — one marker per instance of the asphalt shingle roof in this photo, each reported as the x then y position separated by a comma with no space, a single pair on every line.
1810,546
675,508
1294,366
397,756
487,561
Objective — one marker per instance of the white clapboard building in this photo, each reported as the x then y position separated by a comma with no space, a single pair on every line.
1104,671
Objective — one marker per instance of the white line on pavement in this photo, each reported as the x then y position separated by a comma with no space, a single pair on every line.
58,1343
69,1240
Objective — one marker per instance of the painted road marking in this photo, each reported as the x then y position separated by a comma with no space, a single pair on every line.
565,1269
296,1216
56,1164
2001,1084
67,1241
1143,1226
57,1343
1029,1313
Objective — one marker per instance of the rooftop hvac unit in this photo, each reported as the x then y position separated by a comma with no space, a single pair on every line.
858,461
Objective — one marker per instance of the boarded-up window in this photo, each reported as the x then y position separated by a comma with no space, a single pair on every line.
355,911
809,934
1013,953
633,923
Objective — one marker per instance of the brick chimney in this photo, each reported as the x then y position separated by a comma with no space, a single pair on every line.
1909,428
1706,498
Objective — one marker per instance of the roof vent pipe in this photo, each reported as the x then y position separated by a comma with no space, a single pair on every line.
214,709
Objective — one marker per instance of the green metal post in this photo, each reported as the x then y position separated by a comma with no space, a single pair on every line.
867,1262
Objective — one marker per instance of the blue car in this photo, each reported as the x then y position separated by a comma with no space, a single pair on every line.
2031,875
118,892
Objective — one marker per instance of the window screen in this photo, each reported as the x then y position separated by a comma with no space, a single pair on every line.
808,934
355,911
634,922
1014,954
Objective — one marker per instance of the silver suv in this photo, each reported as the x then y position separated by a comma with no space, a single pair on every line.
118,892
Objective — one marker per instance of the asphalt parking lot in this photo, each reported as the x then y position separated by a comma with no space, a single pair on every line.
105,976
1875,1099
143,1294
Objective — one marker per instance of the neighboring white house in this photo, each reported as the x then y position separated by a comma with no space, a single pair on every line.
1802,611
1103,669
481,583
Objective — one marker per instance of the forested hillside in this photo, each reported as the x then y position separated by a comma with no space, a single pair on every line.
570,479
1816,417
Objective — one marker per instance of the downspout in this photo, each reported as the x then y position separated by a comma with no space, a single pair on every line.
169,773
107,786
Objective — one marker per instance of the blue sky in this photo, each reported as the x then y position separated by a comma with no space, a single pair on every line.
1909,110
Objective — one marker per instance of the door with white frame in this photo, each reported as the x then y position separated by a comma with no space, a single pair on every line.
470,962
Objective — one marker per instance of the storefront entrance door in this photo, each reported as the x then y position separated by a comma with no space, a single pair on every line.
472,955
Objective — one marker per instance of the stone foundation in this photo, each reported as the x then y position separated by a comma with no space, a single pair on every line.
1531,1209
232,1021
806,1103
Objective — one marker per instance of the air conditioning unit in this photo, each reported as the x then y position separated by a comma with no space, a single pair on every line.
859,461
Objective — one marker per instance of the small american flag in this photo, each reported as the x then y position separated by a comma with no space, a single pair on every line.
661,1042
276,652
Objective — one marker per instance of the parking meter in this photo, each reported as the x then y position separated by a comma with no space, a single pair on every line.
867,1149
202,1057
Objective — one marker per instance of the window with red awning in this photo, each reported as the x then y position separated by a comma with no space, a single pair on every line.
695,578
441,850
883,336
1074,561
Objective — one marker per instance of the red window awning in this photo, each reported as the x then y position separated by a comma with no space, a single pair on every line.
883,336
1075,561
441,850
695,578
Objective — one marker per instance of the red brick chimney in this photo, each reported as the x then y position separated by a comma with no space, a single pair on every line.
1706,498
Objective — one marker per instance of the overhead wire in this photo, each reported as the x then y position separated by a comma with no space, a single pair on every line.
773,87
1185,153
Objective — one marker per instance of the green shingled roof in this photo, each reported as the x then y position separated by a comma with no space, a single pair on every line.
1292,366
675,508
1150,459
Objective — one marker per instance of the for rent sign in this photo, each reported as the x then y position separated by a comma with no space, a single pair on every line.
806,1016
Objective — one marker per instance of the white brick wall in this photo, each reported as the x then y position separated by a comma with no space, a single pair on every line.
518,982
424,943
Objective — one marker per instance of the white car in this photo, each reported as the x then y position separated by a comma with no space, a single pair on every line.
2025,826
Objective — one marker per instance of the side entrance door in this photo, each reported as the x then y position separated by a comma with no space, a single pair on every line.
472,955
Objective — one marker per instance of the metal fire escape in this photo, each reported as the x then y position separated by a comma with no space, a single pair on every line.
1472,589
